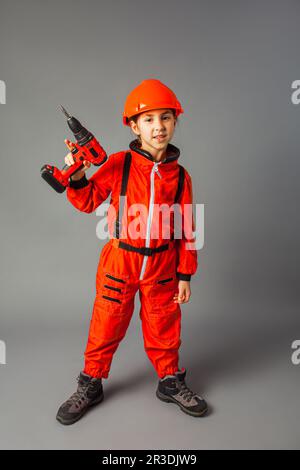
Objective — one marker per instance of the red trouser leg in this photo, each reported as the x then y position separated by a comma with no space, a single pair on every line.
160,315
107,329
112,312
161,323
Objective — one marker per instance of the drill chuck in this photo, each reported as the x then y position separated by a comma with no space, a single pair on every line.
81,134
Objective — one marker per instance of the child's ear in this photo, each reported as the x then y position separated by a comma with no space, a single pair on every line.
134,127
132,124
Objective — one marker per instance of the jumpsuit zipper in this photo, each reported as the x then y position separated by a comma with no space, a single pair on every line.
150,215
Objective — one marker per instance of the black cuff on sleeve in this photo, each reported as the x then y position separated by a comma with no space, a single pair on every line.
183,277
79,183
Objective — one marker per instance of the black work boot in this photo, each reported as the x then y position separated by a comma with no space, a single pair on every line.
89,392
172,388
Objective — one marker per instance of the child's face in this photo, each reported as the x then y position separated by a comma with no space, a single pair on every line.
152,123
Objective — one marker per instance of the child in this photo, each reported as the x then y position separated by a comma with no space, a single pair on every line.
158,265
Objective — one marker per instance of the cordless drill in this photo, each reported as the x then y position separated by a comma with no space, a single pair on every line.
86,148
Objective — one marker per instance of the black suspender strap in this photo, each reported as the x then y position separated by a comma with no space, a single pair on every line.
126,169
180,183
179,189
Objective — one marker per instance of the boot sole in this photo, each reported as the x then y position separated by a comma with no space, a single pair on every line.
167,399
71,421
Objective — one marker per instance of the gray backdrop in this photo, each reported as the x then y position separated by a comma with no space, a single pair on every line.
231,65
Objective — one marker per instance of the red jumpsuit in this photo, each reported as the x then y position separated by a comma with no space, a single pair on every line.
152,263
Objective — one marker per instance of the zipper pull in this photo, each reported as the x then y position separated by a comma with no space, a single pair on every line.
157,171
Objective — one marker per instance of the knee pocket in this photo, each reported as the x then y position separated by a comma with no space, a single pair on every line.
107,324
166,328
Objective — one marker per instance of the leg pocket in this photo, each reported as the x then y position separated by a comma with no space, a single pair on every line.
162,295
112,291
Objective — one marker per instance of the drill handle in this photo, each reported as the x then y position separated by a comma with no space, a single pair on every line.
91,151
66,167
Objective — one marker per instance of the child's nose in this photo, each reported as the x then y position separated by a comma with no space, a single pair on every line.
159,124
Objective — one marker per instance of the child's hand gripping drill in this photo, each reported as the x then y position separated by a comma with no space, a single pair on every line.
84,152
69,161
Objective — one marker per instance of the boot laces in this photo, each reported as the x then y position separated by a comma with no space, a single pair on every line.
80,395
186,392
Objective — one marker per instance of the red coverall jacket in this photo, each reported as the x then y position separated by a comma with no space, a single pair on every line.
152,263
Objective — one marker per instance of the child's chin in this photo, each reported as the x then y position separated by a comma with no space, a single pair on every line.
161,144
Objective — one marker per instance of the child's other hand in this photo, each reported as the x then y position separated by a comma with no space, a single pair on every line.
184,292
69,160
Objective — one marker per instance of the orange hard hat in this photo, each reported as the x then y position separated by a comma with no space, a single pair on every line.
150,94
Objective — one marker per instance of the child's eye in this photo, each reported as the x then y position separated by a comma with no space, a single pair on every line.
165,117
